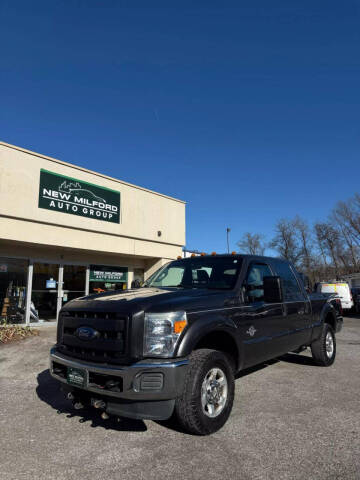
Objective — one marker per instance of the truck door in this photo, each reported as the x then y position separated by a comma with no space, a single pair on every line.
297,309
258,322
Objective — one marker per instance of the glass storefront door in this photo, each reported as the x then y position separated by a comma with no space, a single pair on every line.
48,295
45,290
13,281
74,282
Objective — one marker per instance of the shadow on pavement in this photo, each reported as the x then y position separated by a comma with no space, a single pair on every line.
288,358
48,391
255,368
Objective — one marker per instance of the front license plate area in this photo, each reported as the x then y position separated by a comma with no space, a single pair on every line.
76,376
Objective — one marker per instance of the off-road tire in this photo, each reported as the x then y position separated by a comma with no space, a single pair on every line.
188,406
318,348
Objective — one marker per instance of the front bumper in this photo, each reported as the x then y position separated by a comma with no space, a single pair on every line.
148,387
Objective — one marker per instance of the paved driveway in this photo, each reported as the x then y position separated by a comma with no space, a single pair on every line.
291,420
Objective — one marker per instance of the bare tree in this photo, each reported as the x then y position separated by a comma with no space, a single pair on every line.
329,240
252,244
285,241
347,214
346,218
306,243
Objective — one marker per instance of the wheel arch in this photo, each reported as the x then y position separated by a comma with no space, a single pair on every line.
214,337
330,318
328,315
222,341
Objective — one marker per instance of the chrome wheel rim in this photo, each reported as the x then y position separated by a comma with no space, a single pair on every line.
329,344
214,392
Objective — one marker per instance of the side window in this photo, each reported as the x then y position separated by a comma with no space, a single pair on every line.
291,287
254,284
201,276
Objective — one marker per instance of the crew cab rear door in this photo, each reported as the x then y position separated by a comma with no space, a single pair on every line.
297,309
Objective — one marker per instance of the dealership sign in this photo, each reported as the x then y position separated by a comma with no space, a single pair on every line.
103,273
69,195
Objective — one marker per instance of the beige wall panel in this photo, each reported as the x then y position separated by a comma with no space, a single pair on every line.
11,249
18,230
143,212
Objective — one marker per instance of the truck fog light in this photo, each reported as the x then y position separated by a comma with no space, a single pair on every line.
149,382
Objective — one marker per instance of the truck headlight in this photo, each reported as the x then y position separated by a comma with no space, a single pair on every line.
162,332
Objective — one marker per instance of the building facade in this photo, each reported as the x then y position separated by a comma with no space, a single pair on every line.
66,231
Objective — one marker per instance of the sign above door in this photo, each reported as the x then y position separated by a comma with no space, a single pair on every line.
103,273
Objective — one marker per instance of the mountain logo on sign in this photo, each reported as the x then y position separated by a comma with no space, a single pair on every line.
76,188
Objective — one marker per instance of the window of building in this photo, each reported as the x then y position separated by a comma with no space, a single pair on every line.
13,281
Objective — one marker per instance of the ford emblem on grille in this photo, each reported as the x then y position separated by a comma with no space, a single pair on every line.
86,333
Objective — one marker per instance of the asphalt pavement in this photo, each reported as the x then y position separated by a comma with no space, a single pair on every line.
291,420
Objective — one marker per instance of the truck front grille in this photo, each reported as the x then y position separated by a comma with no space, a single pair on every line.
109,345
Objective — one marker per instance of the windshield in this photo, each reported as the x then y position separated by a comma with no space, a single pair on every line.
197,272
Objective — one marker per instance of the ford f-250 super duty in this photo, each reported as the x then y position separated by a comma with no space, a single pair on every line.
175,344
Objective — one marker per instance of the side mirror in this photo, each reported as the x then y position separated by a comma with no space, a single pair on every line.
272,290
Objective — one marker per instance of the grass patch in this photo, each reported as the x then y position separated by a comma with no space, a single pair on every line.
12,333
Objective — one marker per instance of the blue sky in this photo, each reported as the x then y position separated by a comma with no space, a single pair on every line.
248,110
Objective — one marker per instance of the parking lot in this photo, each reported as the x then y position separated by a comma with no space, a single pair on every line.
290,420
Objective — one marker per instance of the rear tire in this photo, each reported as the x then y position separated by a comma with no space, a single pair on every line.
324,348
208,394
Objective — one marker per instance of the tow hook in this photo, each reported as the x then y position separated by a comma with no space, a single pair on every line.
75,401
98,403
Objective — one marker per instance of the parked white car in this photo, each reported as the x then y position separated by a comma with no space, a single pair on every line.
342,289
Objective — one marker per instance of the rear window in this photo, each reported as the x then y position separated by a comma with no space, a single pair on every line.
342,289
328,288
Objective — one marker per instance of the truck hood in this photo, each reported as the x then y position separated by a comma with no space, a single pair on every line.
150,299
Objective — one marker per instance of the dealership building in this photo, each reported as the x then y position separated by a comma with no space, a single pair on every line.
66,231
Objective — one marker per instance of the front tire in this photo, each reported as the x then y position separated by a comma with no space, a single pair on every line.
208,394
324,349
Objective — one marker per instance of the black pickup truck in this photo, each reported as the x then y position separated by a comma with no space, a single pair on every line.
174,345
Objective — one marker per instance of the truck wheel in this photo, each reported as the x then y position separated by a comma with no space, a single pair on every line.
324,349
208,394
